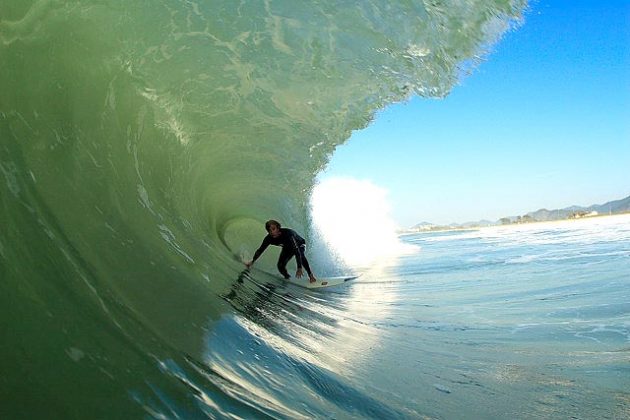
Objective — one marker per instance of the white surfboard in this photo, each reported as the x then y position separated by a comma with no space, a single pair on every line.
321,282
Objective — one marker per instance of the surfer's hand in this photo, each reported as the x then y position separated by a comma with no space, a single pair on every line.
249,264
298,273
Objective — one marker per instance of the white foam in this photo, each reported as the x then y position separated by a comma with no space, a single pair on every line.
354,218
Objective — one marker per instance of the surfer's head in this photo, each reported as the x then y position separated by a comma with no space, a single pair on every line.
273,227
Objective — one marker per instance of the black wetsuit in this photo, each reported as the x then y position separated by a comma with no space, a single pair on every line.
292,245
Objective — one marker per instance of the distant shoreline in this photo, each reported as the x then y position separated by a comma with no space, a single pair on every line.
440,228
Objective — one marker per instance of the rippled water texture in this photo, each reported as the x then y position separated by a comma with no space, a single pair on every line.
526,321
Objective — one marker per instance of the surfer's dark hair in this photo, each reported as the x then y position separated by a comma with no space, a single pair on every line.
271,222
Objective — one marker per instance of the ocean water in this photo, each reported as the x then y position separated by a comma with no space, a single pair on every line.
144,143
526,321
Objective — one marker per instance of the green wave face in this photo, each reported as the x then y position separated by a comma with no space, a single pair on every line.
143,143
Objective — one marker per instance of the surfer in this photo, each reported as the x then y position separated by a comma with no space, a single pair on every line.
292,244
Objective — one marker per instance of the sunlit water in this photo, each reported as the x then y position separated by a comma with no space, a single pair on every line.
506,322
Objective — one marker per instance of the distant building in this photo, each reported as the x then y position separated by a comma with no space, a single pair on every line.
582,214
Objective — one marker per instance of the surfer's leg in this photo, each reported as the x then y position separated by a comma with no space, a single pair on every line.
305,264
284,258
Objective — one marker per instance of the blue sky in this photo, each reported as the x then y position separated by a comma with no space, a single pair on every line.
544,122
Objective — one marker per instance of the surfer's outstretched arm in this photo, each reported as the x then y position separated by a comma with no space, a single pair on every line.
259,251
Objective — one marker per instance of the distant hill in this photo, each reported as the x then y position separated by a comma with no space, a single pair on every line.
542,215
612,207
618,206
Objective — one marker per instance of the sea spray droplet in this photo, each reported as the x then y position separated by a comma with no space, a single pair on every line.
9,170
442,388
75,354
